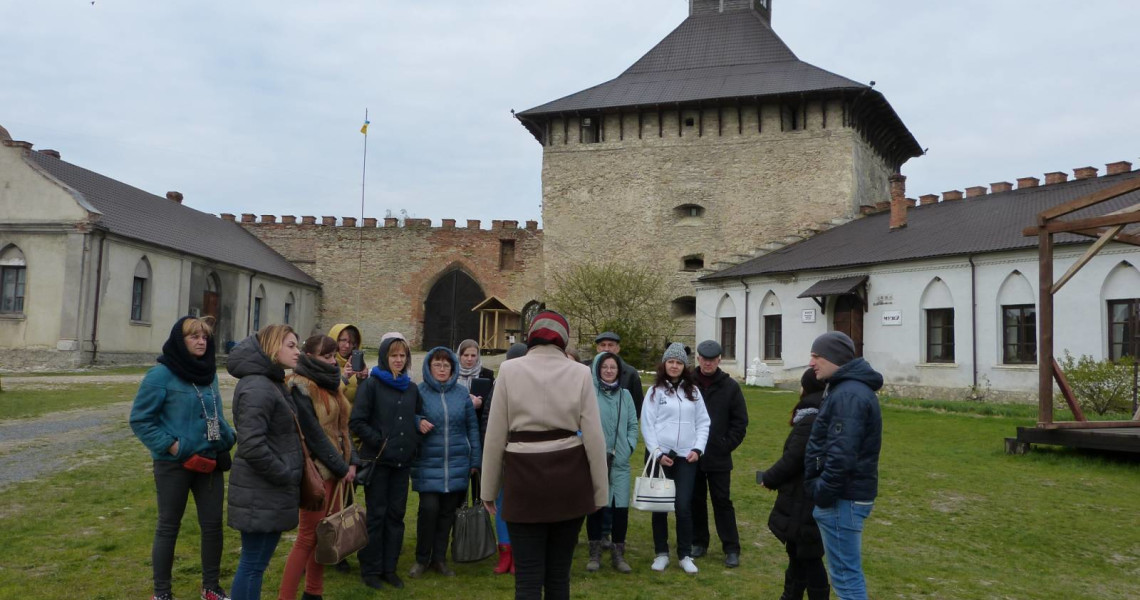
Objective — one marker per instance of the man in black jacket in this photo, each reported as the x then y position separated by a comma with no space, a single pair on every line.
841,463
725,404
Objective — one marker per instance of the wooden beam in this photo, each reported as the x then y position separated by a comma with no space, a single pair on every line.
1089,223
1123,238
1045,338
1092,425
1095,198
1067,392
1089,253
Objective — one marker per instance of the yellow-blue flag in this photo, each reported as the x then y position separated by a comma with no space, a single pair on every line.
364,128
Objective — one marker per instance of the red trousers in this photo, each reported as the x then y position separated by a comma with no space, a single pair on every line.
301,561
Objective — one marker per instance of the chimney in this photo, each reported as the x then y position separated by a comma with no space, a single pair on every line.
289,219
883,206
228,217
268,218
975,191
1117,168
898,201
951,195
248,217
391,221
175,196
867,209
1056,177
51,153
1000,186
1085,172
762,8
928,199
1027,182
308,220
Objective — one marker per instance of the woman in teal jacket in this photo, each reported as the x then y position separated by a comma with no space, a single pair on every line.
620,426
178,415
449,454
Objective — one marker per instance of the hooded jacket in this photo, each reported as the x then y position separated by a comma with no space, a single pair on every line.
265,483
385,414
791,519
842,457
619,426
450,450
671,422
351,384
728,417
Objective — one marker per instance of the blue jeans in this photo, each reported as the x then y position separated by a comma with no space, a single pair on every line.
256,550
684,475
841,527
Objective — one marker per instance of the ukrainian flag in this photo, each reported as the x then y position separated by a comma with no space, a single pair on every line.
364,128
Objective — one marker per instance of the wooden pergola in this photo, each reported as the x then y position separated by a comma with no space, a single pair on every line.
496,322
1105,228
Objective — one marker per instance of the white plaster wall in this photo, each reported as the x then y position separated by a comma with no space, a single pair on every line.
29,195
45,255
162,307
898,351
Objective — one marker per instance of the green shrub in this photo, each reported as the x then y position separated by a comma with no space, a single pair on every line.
1100,386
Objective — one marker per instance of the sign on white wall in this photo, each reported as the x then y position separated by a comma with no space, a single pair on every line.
808,315
892,317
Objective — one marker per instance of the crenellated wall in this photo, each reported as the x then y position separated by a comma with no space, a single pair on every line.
378,274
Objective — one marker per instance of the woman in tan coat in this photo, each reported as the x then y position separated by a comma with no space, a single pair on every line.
551,476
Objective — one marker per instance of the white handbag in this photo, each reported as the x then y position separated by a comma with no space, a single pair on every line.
652,491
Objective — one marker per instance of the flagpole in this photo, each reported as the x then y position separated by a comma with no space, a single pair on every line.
360,225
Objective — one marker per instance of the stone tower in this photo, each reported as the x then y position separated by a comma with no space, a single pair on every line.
714,143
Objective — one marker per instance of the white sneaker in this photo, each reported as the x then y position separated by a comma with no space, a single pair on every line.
688,565
661,562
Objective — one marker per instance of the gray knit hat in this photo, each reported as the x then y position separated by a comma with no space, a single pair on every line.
835,346
516,350
676,351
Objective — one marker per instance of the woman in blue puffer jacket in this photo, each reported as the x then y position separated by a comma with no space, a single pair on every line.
449,454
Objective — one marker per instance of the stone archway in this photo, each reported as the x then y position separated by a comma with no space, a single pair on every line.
448,318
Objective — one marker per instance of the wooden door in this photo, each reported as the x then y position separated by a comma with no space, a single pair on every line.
848,318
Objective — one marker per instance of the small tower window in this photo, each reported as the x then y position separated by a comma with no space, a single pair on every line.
693,262
590,130
687,211
685,306
506,255
689,122
791,117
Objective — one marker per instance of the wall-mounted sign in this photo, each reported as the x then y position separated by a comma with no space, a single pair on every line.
883,299
808,315
892,317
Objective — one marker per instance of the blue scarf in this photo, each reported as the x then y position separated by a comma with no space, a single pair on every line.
400,383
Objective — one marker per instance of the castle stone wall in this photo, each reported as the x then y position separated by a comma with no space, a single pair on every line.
379,277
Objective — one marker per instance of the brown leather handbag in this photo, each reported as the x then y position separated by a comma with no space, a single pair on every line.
344,532
312,485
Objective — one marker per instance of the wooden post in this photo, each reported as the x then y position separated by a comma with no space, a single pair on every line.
1045,338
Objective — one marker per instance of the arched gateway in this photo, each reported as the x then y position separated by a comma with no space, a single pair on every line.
448,318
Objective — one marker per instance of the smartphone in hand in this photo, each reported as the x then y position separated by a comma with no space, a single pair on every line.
357,360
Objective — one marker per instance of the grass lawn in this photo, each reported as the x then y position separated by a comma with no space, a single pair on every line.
33,402
956,518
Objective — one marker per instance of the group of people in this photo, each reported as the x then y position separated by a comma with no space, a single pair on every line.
546,446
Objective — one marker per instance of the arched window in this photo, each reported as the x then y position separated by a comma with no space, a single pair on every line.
689,211
693,262
289,309
258,301
684,306
1121,293
13,280
726,323
772,320
938,316
1018,320
140,292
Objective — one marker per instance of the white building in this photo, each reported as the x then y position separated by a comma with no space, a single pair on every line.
94,270
941,306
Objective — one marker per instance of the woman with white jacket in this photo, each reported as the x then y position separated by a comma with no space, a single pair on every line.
675,426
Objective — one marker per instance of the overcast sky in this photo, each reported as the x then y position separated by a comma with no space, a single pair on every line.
255,106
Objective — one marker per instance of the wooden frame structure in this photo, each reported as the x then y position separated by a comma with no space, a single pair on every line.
496,322
1105,228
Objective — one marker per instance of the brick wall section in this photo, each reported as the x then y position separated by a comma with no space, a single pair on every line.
400,266
756,183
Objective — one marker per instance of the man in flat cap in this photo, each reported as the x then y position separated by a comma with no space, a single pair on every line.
608,341
725,404
841,464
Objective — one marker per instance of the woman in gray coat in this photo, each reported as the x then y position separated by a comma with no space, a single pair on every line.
266,479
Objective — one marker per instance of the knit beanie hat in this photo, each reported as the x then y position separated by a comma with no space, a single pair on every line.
548,327
835,346
676,351
516,350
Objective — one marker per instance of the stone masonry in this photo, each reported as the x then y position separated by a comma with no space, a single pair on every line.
398,265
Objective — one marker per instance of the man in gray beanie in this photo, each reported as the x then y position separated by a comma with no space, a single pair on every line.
841,464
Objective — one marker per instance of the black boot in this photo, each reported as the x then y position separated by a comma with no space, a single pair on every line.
820,593
793,590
